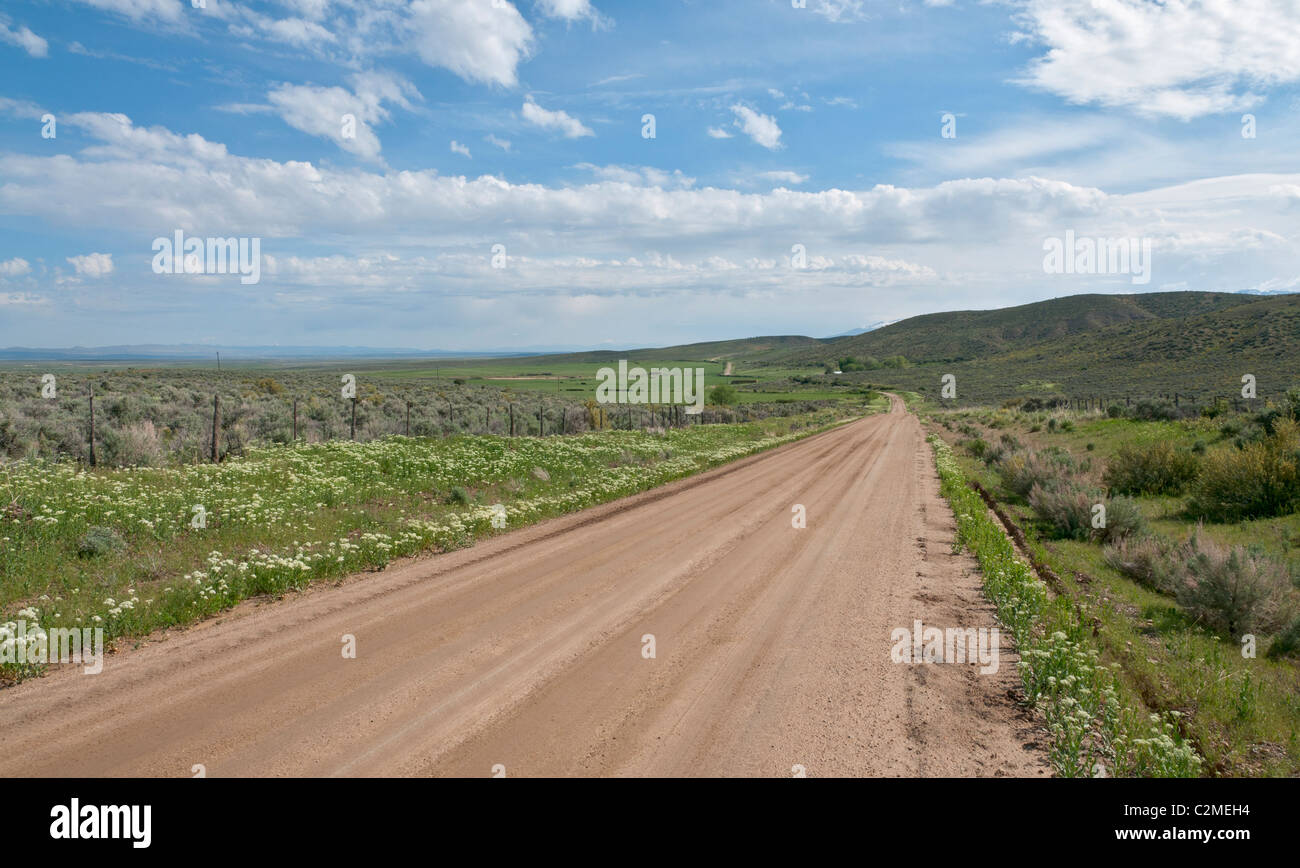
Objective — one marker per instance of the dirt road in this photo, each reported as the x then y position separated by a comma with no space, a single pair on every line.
527,652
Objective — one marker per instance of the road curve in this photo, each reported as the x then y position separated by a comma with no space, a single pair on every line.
526,652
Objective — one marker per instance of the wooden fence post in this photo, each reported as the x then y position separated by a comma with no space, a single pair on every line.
92,426
216,425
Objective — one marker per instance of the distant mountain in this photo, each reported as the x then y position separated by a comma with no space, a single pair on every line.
206,353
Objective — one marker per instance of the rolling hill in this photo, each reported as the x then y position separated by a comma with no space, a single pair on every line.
974,334
1198,344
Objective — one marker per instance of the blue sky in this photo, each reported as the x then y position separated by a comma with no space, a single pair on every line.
485,122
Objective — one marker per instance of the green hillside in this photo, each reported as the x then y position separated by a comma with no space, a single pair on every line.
1199,355
975,334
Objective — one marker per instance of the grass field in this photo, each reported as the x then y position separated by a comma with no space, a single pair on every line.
578,379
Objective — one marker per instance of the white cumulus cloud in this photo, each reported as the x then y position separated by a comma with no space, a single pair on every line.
23,38
783,177
759,127
169,11
15,267
479,41
559,121
1181,58
92,264
343,116
568,10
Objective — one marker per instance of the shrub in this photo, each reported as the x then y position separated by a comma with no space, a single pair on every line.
1218,408
1154,411
1065,509
100,541
1287,644
1260,479
1147,561
723,395
269,386
995,455
1233,591
135,445
1021,471
1155,468
977,447
1123,519
458,496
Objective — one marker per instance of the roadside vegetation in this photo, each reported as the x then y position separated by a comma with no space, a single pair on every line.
1094,728
1174,535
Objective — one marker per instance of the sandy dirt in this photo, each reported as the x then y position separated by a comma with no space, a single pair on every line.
525,652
